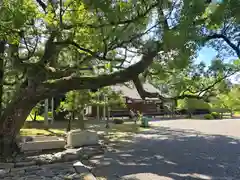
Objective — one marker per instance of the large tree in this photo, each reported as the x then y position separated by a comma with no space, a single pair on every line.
53,47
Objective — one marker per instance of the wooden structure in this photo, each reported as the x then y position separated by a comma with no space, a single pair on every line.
134,102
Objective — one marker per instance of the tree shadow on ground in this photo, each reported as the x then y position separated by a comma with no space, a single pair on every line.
176,154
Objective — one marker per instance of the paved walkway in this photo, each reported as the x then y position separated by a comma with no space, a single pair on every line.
178,149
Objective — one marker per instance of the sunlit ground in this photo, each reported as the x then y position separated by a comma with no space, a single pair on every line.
227,127
116,132
178,149
35,132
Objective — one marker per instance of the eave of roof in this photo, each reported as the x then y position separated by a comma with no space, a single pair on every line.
129,90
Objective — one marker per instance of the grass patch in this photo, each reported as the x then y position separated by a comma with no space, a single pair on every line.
236,112
38,118
116,132
34,132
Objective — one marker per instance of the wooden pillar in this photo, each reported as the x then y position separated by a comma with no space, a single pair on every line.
108,113
52,108
104,108
46,112
98,116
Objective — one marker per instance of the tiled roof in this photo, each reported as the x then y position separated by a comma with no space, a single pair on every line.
129,90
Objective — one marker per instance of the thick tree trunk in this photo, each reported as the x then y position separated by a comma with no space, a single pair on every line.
2,45
35,116
11,122
70,119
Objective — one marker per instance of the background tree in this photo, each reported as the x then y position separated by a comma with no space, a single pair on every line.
196,81
229,100
109,99
75,103
191,104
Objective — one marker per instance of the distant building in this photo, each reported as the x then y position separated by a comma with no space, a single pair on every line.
133,101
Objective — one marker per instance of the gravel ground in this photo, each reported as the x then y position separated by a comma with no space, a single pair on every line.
179,150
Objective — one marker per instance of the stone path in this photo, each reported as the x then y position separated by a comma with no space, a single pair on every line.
64,165
206,150
60,171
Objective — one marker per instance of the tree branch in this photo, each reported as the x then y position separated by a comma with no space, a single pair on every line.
227,40
30,52
42,4
65,72
115,44
93,54
68,42
61,13
50,48
70,71
66,84
142,92
216,82
196,95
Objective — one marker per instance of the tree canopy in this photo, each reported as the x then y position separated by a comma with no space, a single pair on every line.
217,28
56,46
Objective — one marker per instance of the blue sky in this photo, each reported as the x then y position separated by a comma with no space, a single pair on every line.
206,55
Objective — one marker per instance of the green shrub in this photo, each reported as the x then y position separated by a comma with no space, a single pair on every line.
208,116
192,104
216,115
118,121
50,114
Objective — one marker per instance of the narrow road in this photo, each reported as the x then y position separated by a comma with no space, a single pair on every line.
179,150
